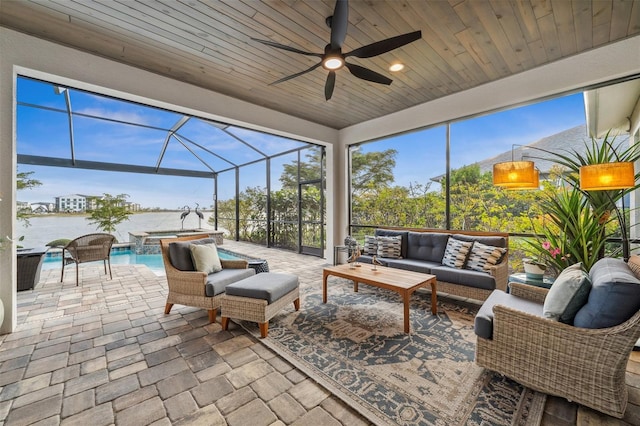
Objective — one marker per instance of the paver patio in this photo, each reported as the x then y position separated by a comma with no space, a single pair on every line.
105,353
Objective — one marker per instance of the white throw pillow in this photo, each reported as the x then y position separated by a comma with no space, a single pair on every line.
568,293
205,258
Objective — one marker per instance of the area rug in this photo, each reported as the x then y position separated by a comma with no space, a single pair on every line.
355,346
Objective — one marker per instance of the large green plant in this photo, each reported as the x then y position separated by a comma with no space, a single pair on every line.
572,231
578,219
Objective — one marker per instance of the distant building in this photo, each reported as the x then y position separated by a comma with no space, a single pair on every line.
71,203
132,207
42,207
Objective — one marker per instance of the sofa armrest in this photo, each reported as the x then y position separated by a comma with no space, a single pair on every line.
529,292
500,273
234,264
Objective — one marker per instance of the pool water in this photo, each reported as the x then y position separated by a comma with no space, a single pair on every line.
128,257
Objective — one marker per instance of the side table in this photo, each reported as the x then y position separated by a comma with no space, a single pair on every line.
521,277
29,263
259,265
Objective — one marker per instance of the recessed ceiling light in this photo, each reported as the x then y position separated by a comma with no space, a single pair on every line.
396,67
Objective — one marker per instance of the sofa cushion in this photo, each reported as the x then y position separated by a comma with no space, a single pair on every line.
464,277
217,282
456,252
392,233
496,241
483,257
568,293
390,247
483,325
428,246
614,296
180,254
205,258
370,245
422,266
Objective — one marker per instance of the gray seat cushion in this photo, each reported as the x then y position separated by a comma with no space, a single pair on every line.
428,246
218,281
180,254
421,266
614,296
269,286
483,326
464,277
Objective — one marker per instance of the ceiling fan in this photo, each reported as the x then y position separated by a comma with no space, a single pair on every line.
333,59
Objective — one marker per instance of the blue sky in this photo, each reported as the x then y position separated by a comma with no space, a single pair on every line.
421,154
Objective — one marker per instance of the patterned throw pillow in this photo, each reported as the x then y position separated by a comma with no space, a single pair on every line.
456,253
483,257
370,246
634,265
390,247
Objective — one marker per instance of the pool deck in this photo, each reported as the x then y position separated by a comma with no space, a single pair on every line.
105,353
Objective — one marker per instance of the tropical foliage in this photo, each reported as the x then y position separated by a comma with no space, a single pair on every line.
110,212
572,225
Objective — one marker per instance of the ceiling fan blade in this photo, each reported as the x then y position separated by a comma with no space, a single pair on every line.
329,85
283,47
367,74
383,46
339,22
296,74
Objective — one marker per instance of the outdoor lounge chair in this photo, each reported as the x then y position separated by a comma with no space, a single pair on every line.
88,248
583,365
189,287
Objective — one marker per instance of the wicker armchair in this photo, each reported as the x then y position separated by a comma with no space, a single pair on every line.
188,287
88,248
583,365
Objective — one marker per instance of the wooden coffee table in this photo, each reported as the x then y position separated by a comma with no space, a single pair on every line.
398,280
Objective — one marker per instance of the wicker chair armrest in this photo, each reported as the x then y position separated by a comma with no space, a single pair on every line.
500,273
234,264
524,329
529,292
187,282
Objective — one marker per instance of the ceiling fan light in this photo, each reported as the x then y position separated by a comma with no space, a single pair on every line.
333,63
396,67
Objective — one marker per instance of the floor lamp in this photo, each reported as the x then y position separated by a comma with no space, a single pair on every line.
607,177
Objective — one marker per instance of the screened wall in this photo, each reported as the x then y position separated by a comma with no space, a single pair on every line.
254,184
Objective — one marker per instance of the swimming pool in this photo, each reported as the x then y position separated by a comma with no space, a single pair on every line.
129,257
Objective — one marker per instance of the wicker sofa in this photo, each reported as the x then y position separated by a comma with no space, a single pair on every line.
422,250
192,288
584,361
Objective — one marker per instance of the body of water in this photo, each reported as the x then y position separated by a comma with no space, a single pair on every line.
45,228
128,257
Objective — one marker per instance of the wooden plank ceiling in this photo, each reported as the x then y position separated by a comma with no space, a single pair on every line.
464,43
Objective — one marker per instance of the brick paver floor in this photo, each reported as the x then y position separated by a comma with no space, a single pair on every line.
105,353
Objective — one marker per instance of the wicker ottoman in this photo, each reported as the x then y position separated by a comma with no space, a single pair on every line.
259,298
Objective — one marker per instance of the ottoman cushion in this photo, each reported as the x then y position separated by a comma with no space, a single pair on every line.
268,286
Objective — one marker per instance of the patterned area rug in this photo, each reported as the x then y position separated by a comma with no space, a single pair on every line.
354,345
